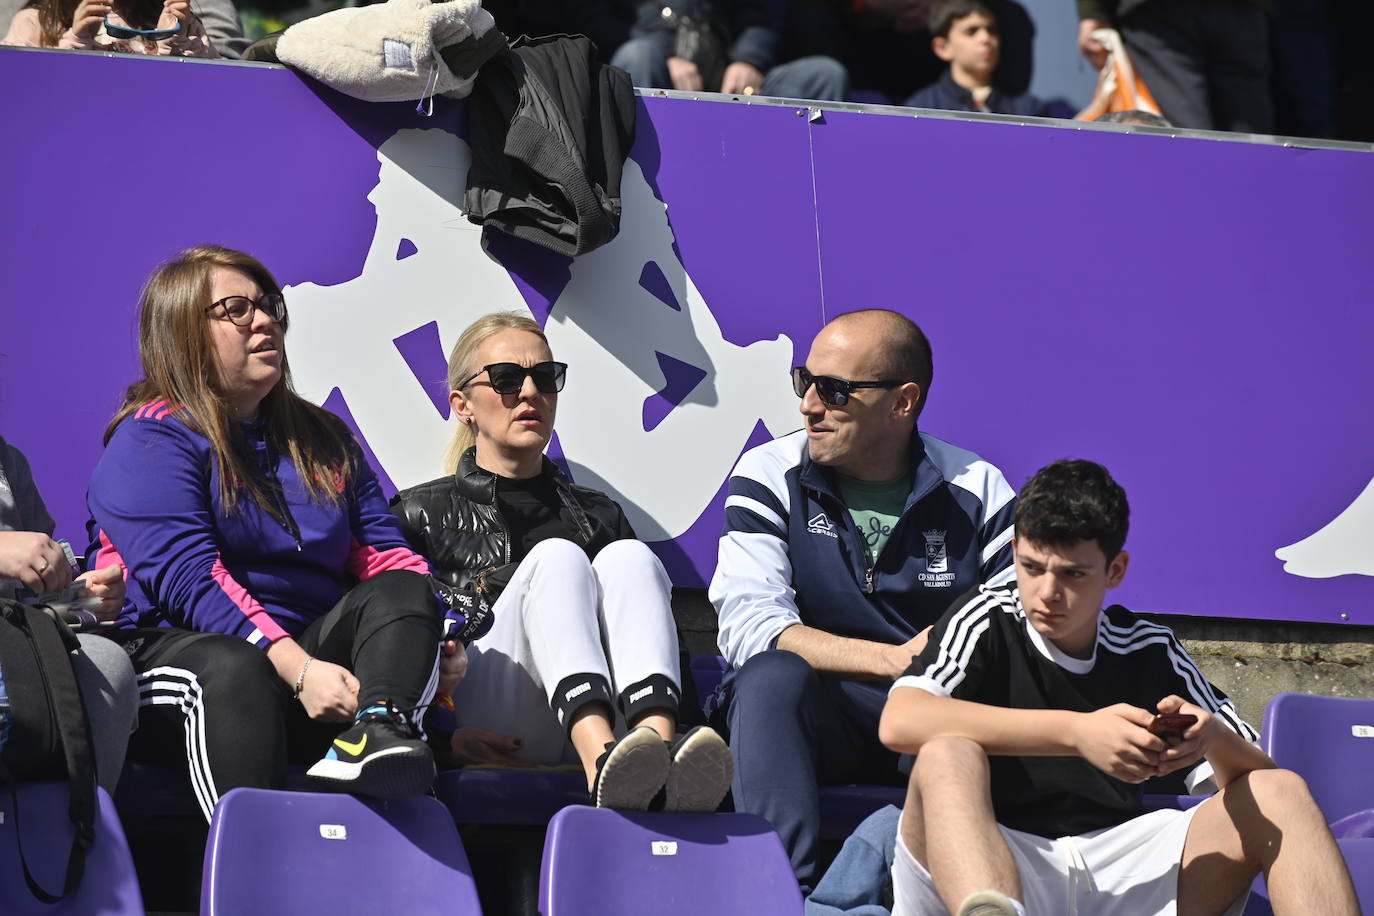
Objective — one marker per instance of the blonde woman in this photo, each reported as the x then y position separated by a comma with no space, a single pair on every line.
274,609
582,644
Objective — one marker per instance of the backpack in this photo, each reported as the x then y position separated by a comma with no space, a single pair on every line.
43,727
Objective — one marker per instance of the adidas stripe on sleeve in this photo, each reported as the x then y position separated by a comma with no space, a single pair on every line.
752,586
956,655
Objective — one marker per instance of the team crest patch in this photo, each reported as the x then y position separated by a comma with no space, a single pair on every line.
937,574
937,560
821,525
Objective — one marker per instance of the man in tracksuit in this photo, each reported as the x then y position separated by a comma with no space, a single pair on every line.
843,542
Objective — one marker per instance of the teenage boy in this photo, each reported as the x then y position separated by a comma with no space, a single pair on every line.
964,35
1033,713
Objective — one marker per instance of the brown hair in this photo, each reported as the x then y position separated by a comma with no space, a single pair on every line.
945,13
55,16
460,367
178,367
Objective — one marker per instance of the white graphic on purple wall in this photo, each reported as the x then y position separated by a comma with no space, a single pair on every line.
426,278
658,405
667,403
1342,547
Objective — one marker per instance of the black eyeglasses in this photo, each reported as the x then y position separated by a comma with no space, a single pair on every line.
124,32
239,310
509,378
833,392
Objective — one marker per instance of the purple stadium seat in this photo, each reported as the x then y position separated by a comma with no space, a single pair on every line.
707,673
497,795
1359,858
309,852
618,863
1330,742
108,884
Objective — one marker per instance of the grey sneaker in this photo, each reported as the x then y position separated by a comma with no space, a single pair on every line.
701,772
632,771
987,903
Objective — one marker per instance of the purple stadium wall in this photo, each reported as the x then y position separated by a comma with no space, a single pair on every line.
1193,313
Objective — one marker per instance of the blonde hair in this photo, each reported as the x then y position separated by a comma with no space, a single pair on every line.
179,368
460,367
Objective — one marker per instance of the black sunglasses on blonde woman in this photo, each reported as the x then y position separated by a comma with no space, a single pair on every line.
509,378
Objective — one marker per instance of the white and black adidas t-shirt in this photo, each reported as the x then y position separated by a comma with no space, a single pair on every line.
984,650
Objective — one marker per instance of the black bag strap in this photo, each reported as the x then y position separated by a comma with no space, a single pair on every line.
51,646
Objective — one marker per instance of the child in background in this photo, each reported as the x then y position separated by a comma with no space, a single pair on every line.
159,27
964,33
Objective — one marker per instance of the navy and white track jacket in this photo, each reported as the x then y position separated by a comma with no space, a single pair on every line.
790,552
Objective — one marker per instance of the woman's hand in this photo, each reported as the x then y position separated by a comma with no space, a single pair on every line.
107,584
88,17
329,692
453,665
174,12
35,560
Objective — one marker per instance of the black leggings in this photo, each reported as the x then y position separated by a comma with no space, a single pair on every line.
217,702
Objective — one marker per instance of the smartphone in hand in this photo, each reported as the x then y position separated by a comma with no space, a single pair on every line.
1171,725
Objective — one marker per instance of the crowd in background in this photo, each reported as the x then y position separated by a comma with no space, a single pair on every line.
1290,67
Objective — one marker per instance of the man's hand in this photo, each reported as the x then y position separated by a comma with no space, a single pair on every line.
1118,742
741,78
1197,738
899,657
329,692
1094,50
107,584
453,665
35,560
684,74
479,746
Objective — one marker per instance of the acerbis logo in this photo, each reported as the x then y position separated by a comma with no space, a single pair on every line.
821,525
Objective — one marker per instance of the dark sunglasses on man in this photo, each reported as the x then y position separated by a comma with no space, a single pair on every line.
509,378
239,310
833,392
124,32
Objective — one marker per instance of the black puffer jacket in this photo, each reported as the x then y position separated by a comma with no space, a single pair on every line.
454,521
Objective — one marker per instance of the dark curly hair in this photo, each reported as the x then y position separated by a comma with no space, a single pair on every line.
1071,501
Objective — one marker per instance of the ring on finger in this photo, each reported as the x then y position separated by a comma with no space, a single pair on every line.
44,568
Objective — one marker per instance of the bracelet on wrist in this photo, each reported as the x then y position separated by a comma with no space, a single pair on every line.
300,678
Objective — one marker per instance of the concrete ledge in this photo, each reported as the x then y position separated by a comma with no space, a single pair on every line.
1251,660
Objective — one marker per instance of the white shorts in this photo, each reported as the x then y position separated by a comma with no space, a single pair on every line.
1127,870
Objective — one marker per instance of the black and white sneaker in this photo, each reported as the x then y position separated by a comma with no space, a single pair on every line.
700,773
632,771
381,755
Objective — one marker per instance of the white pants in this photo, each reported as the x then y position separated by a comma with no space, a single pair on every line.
1127,870
563,615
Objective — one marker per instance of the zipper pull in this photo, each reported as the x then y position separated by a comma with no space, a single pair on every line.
868,585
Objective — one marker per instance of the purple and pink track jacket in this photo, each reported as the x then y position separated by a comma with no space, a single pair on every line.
155,508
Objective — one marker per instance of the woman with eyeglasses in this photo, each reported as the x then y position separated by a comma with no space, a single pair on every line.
274,611
582,644
157,27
